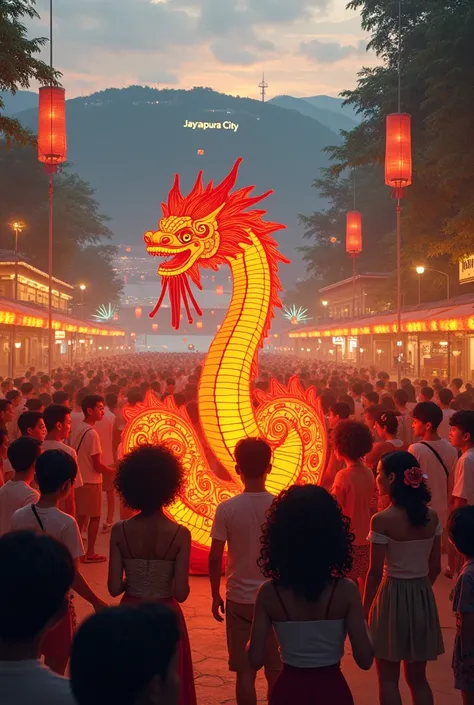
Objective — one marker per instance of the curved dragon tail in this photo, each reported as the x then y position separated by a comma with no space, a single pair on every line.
291,420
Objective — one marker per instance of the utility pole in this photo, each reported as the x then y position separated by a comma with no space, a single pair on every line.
263,87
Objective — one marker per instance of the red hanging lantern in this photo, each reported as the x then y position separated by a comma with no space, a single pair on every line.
354,233
154,327
398,161
52,140
219,290
138,311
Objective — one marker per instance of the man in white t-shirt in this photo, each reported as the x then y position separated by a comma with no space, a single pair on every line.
105,428
17,492
436,456
57,419
356,393
35,603
443,398
461,435
55,474
77,415
86,442
238,523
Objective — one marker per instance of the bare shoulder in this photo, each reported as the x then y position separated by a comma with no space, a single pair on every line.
348,589
265,590
380,521
433,517
184,535
117,531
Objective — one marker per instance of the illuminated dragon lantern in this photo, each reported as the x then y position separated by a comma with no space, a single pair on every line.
210,227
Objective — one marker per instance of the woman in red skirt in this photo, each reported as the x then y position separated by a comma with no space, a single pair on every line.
307,552
149,553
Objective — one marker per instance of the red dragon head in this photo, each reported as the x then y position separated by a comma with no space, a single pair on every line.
207,228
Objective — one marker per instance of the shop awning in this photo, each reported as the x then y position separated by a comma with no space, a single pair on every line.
15,313
449,318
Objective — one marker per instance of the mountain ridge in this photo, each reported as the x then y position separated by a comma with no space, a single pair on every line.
128,144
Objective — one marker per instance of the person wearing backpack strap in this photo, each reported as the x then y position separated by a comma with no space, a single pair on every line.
86,442
436,456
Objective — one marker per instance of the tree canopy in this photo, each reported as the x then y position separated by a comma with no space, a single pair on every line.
19,64
438,91
81,252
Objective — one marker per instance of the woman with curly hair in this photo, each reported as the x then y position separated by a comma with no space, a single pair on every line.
405,560
150,553
306,554
354,489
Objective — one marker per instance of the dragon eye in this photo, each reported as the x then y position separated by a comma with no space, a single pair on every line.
185,236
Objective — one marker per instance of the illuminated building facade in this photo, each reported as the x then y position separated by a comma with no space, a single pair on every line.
24,323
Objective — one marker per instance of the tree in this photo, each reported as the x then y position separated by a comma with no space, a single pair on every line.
437,90
362,190
438,211
18,62
80,249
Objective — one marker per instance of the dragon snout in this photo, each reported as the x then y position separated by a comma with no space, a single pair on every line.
151,239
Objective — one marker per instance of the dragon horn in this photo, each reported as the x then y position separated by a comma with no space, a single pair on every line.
175,198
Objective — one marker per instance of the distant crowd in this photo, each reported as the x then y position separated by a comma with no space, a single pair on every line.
354,557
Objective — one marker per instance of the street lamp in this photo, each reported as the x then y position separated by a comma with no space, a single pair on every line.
324,304
18,228
82,287
421,270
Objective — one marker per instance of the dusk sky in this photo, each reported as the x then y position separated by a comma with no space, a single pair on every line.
305,47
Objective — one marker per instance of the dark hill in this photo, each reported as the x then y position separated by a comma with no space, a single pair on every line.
22,100
328,102
128,144
333,118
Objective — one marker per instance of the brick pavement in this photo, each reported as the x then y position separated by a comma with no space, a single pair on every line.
215,684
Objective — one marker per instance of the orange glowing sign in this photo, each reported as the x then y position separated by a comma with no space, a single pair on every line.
424,326
215,225
14,318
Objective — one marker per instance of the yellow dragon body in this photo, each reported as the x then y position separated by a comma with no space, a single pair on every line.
210,227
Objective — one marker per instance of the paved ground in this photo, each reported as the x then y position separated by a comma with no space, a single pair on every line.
214,683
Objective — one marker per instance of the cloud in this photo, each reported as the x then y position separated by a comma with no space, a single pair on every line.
138,25
330,52
220,17
231,53
224,44
151,77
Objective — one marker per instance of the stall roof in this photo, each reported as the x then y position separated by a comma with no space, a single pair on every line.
450,317
15,313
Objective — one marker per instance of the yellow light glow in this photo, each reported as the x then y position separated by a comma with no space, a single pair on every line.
289,418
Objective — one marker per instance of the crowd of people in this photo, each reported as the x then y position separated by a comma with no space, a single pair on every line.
356,556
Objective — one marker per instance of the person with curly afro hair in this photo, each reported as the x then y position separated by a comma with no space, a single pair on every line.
354,488
150,553
306,555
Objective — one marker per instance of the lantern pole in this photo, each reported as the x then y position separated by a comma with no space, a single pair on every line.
399,285
354,255
50,273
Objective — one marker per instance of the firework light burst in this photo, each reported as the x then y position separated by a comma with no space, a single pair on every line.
296,315
104,313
